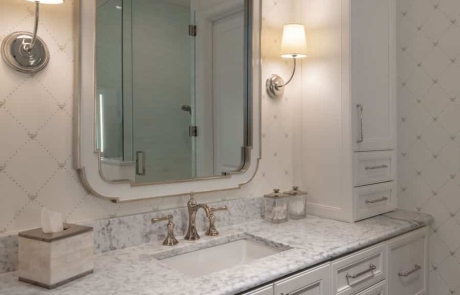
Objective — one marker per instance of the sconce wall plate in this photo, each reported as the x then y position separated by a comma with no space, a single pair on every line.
16,56
25,52
273,86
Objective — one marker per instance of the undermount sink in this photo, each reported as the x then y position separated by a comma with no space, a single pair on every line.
213,259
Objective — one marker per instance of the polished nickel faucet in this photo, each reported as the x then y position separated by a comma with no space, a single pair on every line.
193,208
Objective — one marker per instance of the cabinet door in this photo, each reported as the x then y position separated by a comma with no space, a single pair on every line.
267,290
310,282
373,74
408,264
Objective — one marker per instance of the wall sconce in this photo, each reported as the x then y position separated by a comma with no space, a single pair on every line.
26,52
294,45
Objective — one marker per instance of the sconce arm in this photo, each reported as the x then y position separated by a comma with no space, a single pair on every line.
37,17
292,76
275,84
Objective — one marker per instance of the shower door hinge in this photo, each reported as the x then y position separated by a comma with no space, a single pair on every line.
193,131
192,30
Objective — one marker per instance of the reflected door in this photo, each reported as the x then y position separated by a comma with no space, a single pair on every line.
163,100
228,92
109,92
172,88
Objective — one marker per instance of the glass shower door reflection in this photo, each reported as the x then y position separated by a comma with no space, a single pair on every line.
162,90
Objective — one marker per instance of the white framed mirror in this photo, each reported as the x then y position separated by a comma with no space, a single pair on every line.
168,96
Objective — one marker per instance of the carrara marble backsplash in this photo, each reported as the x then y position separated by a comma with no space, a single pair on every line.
134,230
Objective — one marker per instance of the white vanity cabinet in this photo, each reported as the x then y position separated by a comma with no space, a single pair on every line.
395,267
408,264
347,122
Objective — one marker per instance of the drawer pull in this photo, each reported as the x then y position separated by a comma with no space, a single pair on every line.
370,269
376,167
406,274
377,201
361,119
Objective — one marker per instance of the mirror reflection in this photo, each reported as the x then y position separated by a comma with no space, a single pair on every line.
172,93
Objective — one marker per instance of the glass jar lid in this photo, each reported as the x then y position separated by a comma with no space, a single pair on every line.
295,192
276,194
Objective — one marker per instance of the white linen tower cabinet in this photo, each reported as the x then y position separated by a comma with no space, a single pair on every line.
347,122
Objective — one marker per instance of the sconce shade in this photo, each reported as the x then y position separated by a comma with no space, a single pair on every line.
294,44
48,1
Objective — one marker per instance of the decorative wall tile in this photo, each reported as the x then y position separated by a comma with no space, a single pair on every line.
428,127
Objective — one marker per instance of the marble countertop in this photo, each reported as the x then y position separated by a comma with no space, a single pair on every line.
311,241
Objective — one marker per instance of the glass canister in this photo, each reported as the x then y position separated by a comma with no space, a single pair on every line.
276,207
297,203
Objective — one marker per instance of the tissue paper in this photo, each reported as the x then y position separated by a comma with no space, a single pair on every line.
51,221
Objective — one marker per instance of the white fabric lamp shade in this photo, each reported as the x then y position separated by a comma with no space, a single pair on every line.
48,1
294,44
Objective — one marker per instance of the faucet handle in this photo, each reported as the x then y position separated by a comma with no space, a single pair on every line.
212,231
170,238
223,208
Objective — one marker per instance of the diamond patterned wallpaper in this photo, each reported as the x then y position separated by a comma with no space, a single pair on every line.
429,126
36,117
36,126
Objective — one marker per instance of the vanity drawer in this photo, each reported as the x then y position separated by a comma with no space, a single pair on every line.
379,289
359,271
267,290
311,282
374,167
374,199
408,263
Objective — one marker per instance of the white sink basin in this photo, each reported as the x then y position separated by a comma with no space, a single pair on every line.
209,260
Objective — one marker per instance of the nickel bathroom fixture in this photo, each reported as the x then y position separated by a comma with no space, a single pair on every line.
170,239
26,52
193,207
294,45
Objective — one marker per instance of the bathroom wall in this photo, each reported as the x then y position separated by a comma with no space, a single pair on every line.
428,128
36,125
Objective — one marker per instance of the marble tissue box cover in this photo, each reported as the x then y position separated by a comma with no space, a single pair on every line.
51,260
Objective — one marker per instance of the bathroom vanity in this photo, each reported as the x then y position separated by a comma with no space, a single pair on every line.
376,270
382,255
179,113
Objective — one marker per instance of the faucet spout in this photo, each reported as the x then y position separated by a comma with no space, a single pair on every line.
193,208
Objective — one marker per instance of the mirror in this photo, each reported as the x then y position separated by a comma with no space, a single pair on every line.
167,96
172,91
